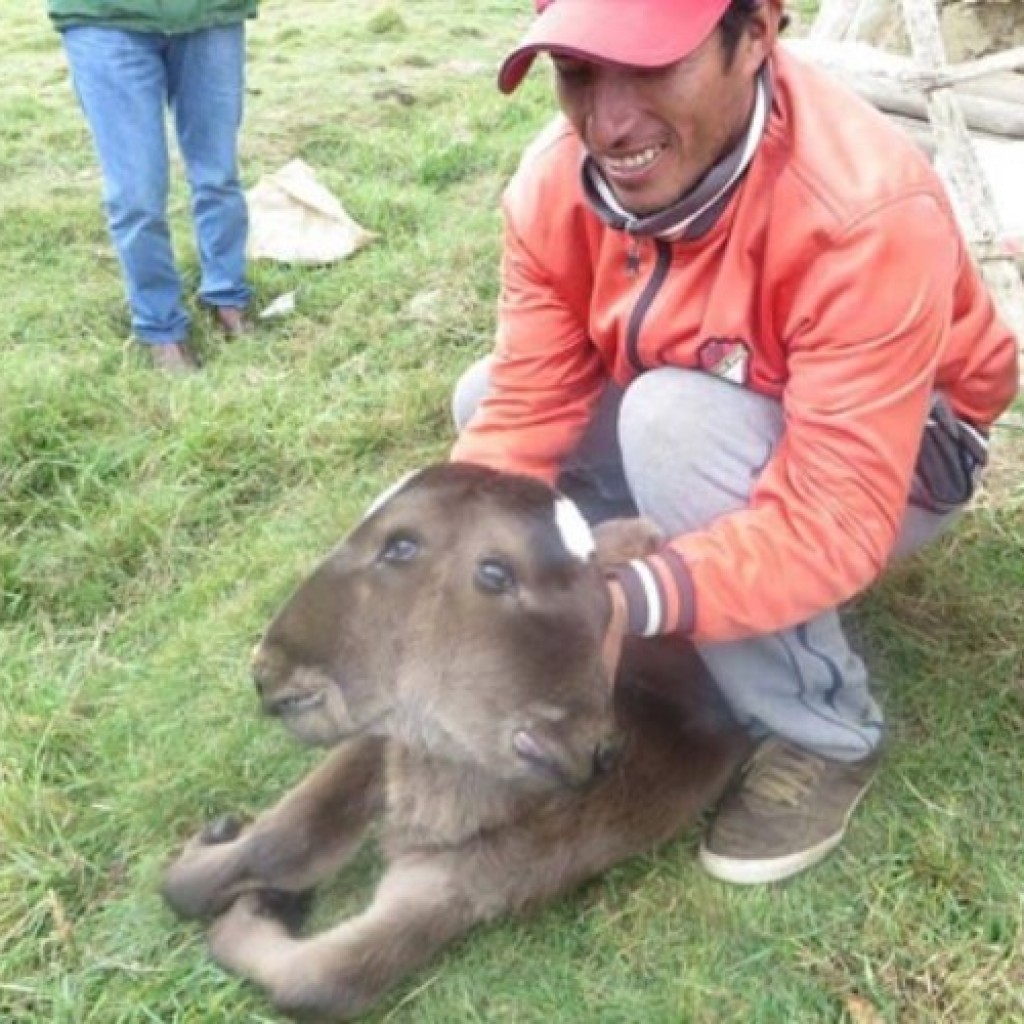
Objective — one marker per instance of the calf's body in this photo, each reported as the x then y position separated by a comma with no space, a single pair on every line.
449,655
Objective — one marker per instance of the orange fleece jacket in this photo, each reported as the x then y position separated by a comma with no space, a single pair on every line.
835,280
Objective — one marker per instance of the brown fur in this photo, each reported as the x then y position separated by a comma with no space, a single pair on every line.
449,653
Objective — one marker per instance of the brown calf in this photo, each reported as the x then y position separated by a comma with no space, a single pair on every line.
449,654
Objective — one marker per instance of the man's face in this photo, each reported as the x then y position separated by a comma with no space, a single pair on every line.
655,133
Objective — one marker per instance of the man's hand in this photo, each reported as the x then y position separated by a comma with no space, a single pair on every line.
612,650
621,540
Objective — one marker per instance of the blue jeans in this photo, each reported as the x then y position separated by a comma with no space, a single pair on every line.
123,81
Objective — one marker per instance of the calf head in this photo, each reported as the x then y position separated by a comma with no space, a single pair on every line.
463,616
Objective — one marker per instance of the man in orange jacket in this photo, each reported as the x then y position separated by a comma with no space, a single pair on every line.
735,297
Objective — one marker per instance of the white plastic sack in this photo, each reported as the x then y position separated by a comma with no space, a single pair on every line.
295,219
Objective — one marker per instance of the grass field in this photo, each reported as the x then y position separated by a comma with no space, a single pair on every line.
149,526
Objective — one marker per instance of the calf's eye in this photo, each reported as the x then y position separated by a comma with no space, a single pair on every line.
399,548
495,577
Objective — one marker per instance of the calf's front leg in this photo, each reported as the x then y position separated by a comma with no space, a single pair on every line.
340,973
305,837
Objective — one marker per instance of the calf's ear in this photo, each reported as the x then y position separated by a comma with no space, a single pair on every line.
619,540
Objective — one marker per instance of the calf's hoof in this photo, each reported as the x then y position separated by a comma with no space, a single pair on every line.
204,878
221,830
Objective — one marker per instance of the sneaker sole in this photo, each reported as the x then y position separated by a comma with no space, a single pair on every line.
747,871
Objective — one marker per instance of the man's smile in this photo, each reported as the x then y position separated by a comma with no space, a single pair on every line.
629,164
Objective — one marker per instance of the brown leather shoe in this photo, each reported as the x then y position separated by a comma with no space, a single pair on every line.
231,320
173,357
789,810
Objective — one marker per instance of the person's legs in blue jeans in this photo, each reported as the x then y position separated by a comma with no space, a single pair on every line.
121,83
206,85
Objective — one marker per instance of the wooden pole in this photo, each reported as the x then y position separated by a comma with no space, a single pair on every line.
899,85
953,74
834,19
964,173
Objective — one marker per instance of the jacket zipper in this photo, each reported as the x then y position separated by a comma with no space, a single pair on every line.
662,262
633,258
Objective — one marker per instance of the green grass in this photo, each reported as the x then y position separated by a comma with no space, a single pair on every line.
148,528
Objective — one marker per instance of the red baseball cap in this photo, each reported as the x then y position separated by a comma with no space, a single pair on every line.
632,33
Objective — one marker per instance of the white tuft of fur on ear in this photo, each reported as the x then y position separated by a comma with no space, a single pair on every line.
577,536
388,494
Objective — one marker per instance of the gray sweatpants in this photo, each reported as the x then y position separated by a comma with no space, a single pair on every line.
683,448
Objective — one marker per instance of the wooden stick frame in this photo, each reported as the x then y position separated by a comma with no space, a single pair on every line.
934,81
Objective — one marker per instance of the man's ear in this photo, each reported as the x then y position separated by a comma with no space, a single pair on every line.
760,35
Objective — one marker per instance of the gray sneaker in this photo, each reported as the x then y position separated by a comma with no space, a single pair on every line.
789,810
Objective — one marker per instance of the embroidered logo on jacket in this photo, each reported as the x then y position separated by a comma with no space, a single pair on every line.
728,358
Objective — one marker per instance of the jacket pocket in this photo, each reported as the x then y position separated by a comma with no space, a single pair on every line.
952,455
